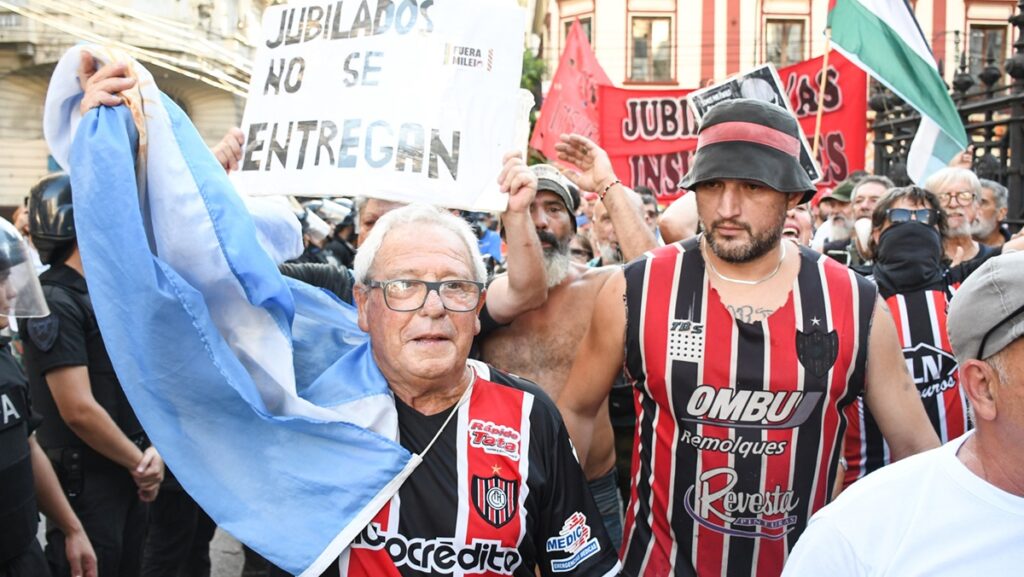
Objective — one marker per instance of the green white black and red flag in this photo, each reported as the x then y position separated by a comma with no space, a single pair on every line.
884,39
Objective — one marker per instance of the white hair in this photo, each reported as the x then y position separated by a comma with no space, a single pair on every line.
421,214
951,176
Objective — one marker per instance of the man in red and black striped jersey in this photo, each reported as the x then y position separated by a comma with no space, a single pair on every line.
499,490
745,350
909,225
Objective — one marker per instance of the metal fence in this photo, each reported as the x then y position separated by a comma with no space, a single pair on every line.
991,105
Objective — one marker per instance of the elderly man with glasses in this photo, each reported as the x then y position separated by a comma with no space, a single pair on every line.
959,193
501,492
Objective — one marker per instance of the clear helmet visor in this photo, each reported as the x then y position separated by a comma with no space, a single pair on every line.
21,295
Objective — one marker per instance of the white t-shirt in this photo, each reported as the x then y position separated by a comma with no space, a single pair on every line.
927,515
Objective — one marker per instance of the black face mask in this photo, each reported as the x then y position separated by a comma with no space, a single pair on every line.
908,259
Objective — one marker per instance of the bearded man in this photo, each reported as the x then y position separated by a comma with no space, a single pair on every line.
745,351
541,344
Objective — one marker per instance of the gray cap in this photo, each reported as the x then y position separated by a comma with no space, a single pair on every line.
987,312
551,179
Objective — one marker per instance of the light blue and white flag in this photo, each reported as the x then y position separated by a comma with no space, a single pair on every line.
260,392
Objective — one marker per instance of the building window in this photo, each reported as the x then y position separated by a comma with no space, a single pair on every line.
586,23
651,49
784,42
987,41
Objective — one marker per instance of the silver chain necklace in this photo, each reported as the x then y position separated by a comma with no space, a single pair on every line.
770,275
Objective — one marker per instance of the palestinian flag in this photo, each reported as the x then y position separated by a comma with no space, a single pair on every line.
884,39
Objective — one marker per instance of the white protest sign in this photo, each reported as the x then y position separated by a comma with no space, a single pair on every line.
407,100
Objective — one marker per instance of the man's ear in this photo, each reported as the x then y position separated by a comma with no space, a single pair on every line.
978,380
360,295
795,200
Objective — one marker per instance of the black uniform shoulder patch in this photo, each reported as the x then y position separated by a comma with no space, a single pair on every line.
44,331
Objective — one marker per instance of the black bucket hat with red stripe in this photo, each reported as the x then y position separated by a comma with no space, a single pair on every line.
746,139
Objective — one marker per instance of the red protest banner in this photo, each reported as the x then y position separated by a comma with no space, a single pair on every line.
650,135
571,104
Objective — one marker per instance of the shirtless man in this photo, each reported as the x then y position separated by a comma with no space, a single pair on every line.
745,350
541,344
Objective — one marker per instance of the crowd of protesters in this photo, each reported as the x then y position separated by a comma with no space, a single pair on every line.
726,367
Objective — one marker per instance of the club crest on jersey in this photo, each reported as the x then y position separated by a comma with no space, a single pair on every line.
574,539
817,350
685,340
714,503
753,409
933,369
494,439
495,499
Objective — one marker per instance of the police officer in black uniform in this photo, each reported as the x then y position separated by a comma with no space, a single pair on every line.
102,457
25,473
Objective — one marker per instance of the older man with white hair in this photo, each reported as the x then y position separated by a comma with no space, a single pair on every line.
959,192
500,491
958,509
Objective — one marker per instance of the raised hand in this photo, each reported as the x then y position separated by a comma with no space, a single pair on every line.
103,86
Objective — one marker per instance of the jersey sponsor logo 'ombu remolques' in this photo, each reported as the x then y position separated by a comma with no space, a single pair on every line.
750,409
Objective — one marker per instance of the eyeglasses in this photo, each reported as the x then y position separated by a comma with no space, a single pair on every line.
927,216
407,295
962,196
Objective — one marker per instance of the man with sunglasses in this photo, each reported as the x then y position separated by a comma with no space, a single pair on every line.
916,282
959,509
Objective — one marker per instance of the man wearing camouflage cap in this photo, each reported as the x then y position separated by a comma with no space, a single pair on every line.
959,509
745,350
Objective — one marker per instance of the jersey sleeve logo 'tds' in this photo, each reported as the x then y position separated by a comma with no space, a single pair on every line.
495,499
817,350
44,331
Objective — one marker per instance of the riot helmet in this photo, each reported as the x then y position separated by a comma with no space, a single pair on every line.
20,292
51,218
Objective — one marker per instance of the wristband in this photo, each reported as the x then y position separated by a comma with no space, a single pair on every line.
601,195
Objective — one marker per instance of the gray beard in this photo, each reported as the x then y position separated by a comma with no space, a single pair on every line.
556,267
962,230
609,254
983,228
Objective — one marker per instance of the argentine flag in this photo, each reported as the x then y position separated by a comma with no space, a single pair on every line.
260,392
